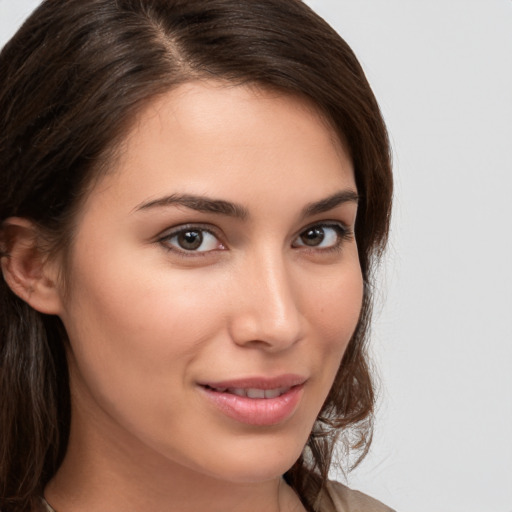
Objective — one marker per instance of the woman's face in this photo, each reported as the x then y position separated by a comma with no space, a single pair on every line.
213,284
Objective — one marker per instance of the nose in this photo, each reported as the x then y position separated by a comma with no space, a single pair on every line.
266,307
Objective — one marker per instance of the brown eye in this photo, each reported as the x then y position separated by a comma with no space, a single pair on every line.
322,236
313,236
192,240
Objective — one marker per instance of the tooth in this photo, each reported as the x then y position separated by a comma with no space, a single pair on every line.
255,393
272,393
237,391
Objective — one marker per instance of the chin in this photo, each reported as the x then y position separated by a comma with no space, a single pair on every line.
247,460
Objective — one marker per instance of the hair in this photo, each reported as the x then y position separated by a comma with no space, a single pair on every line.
72,80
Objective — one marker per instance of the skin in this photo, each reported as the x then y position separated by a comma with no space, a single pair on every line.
148,320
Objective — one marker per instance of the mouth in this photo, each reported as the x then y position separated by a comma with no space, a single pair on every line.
256,401
252,392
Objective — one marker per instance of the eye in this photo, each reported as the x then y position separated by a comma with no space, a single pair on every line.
191,239
322,236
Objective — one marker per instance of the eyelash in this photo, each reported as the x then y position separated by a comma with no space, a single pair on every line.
343,233
165,240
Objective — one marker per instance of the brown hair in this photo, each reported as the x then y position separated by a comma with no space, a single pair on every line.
71,80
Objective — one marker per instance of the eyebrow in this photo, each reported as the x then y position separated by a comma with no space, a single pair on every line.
331,202
200,204
230,209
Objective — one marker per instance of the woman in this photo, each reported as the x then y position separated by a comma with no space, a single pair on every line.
195,194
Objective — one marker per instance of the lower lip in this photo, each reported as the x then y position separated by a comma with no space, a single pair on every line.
256,411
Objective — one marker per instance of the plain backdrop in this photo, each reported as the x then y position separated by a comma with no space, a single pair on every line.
442,339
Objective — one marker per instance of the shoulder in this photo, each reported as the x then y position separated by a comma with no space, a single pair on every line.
337,497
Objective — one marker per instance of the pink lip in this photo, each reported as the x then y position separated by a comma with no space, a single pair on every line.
256,411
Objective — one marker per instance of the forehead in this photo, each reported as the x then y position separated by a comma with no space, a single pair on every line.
228,140
210,107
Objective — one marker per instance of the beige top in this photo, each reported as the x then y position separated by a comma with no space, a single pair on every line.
336,498
339,498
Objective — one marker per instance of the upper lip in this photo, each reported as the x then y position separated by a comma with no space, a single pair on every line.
280,381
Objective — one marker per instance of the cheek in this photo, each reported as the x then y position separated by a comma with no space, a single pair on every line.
333,310
130,323
335,305
135,334
154,319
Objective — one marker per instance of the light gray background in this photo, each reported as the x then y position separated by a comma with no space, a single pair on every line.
442,71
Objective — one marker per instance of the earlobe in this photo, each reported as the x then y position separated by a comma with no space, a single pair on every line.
26,268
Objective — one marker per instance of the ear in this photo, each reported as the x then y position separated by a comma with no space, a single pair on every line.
26,267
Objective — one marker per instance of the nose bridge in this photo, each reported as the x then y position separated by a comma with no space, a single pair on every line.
269,311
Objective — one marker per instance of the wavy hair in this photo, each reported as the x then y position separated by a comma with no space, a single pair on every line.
72,80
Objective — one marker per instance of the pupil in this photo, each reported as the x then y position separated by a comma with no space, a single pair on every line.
313,236
190,239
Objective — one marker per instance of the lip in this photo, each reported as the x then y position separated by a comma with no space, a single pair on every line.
256,411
